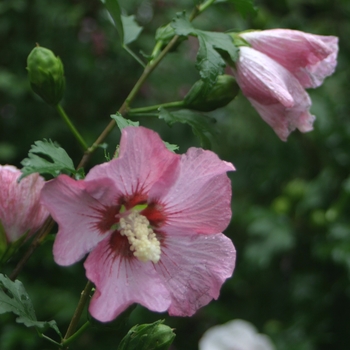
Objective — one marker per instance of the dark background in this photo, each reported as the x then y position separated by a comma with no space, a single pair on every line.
291,200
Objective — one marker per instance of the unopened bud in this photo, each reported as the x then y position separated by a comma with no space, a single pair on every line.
154,336
219,95
46,75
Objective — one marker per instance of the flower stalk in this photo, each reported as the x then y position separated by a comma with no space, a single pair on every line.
71,126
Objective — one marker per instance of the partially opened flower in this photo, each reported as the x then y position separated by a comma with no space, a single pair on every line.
276,69
20,209
274,92
235,335
310,58
151,221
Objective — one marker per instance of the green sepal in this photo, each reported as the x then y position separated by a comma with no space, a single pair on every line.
12,248
153,336
206,98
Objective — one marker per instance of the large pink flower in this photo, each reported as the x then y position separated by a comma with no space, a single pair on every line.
151,221
310,58
20,209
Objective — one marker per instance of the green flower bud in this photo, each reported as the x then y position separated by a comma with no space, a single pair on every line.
219,95
46,75
153,336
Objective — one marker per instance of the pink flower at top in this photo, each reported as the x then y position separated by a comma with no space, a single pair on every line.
20,209
275,71
310,58
151,221
274,92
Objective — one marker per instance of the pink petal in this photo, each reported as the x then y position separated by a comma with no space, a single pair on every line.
266,84
142,161
285,120
193,268
78,208
200,198
20,209
122,281
310,58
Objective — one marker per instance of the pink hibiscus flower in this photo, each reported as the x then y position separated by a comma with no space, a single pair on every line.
20,208
275,71
151,221
274,92
310,58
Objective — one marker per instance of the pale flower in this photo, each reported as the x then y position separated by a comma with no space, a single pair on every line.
274,72
151,221
20,209
310,58
235,335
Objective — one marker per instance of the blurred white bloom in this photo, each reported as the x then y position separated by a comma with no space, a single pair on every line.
235,335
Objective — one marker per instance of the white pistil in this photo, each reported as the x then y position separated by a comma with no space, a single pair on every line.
142,239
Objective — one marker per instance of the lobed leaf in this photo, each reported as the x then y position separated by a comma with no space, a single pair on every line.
114,10
123,122
14,298
46,157
202,125
130,28
214,48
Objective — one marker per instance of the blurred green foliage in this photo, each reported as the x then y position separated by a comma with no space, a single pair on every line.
291,200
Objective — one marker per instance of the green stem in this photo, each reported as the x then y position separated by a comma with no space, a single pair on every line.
125,106
205,5
80,331
71,127
132,53
174,104
49,339
157,48
78,311
141,115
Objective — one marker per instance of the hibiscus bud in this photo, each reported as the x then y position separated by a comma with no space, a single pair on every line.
46,75
219,95
153,336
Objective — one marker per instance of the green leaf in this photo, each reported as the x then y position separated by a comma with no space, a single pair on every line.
123,122
114,10
126,26
46,157
214,48
14,298
202,125
182,25
171,147
131,29
244,7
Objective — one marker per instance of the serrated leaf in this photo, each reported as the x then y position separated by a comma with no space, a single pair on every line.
171,147
130,28
114,10
244,7
202,125
182,25
213,47
46,157
123,122
14,298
